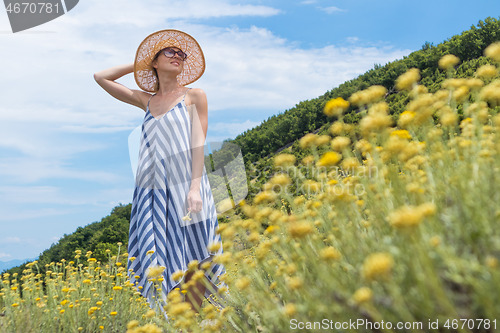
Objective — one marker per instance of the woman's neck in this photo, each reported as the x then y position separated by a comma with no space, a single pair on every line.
168,85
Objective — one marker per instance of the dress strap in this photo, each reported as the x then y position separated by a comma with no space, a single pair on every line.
150,99
185,94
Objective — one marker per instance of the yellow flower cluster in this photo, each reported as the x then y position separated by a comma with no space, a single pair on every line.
493,51
284,160
491,93
487,72
155,271
377,265
411,216
448,61
329,159
407,80
336,106
370,95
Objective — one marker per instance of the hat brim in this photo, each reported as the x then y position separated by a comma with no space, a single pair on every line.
194,65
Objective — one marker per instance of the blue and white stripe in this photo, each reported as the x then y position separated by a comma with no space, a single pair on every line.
163,179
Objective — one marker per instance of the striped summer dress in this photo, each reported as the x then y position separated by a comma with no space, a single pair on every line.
159,203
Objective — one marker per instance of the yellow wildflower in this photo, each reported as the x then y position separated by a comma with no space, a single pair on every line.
337,128
370,95
322,140
329,158
132,324
340,142
187,217
350,163
330,253
284,160
300,229
272,228
407,80
493,51
449,119
311,186
410,216
214,247
491,93
335,107
405,118
474,84
403,134
150,314
281,179
377,265
290,309
448,61
264,197
308,140
362,295
155,271
295,283
487,71
461,93
418,90
242,283
307,160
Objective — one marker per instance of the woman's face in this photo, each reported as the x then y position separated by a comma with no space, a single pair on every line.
169,59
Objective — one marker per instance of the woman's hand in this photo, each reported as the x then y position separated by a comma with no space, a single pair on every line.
194,201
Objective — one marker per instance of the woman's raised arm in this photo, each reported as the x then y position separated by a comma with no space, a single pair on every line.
106,79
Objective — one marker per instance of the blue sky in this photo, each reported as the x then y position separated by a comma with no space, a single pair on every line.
64,154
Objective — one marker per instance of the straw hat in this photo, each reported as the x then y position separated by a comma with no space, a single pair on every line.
194,65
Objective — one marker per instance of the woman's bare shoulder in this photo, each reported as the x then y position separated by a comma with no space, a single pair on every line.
196,95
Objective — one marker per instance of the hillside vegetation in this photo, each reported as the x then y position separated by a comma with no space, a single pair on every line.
383,209
259,144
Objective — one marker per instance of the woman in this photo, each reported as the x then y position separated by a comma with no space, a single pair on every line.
173,220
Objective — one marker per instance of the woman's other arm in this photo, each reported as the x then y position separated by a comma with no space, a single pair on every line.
106,79
198,134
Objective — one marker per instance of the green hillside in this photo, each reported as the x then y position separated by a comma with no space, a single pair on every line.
283,131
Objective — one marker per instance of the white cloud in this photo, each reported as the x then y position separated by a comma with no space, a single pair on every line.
246,69
157,11
263,71
53,112
332,9
11,240
30,169
29,214
5,255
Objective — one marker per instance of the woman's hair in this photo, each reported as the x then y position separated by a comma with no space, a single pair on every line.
155,73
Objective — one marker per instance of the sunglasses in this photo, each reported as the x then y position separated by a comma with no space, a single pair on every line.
170,53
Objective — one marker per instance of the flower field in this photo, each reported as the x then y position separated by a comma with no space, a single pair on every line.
391,220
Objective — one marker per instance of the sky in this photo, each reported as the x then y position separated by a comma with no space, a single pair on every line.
64,149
